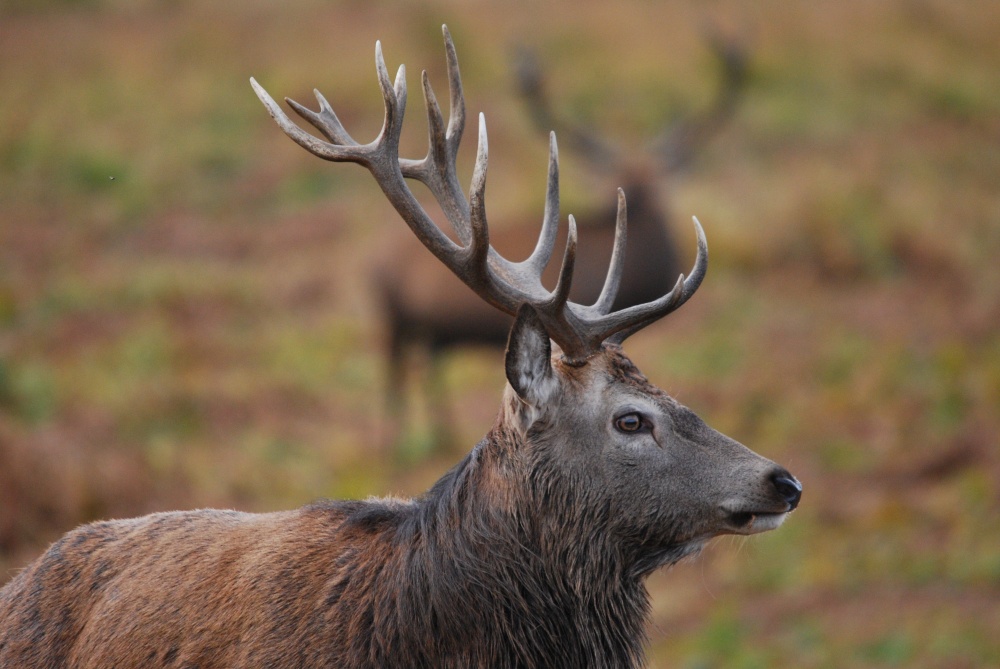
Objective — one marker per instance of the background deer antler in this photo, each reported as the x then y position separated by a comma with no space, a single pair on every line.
579,330
675,146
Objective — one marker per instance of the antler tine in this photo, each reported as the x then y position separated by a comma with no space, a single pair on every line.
456,113
479,248
559,322
560,296
325,121
437,169
395,108
620,325
616,266
540,257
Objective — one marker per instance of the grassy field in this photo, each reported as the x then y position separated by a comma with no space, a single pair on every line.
185,318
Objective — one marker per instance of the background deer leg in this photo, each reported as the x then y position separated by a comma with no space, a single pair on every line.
395,391
438,403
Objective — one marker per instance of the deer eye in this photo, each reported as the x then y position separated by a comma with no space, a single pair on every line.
630,422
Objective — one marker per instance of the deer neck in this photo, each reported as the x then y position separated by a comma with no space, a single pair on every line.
515,571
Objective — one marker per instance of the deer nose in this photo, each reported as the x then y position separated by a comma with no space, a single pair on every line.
788,488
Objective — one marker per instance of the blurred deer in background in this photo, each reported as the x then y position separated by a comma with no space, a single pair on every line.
531,552
426,309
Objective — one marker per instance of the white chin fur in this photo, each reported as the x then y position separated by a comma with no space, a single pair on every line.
763,523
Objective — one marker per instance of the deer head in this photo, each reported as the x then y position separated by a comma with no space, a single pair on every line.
582,399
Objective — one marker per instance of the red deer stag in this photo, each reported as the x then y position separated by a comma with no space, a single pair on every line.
425,308
531,552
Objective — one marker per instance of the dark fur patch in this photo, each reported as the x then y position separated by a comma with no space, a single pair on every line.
372,517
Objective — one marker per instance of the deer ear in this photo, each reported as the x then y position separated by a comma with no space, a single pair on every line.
529,358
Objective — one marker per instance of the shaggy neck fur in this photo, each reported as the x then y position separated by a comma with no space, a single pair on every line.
505,574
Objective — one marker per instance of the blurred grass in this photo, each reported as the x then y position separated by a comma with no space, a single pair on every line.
185,320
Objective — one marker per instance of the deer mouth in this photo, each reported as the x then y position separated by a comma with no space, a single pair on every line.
755,522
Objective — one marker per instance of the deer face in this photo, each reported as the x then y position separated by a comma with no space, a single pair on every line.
668,481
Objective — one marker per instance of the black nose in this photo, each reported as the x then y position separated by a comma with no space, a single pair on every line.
788,487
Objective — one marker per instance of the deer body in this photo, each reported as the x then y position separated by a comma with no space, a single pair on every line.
531,552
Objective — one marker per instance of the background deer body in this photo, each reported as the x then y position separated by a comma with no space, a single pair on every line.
425,308
531,552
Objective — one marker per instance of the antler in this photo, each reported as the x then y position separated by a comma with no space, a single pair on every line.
579,330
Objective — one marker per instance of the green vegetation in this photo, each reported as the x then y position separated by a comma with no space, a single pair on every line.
185,319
